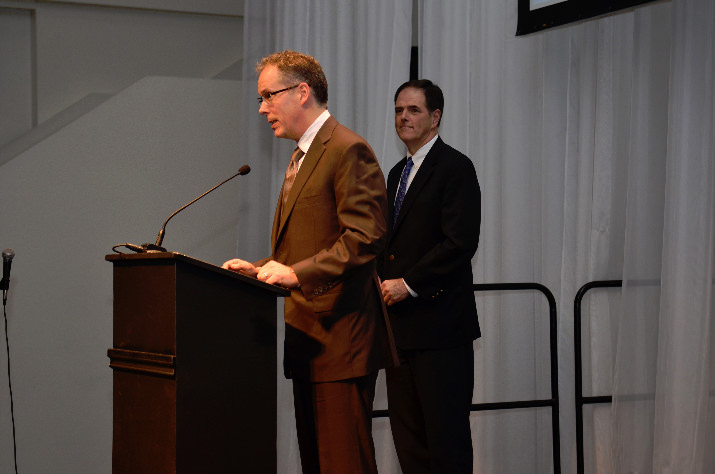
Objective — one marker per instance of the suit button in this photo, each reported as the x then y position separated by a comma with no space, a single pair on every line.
392,257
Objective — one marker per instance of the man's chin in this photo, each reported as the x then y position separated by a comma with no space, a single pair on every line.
402,135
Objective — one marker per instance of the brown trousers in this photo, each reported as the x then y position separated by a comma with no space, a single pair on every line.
334,424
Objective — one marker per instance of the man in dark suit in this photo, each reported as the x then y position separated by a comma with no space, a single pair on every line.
328,229
434,209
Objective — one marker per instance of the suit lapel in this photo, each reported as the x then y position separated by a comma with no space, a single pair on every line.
310,161
419,181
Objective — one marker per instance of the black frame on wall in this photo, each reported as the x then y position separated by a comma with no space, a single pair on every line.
566,11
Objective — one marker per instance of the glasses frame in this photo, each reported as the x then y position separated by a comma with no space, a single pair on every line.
269,95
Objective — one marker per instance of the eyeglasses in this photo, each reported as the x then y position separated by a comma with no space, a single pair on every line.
269,95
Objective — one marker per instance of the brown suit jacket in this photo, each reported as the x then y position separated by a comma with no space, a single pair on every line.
331,231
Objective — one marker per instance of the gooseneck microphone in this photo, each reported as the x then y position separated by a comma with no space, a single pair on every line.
245,169
156,247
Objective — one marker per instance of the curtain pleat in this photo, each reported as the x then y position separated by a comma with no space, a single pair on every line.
595,148
364,49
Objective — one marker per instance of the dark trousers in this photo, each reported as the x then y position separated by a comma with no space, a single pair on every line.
429,397
334,424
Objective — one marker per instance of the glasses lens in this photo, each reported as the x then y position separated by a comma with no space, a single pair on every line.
269,95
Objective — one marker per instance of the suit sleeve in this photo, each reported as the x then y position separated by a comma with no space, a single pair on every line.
361,206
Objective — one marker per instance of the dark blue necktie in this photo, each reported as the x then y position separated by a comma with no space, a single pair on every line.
401,190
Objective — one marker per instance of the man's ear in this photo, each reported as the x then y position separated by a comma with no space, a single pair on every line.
304,91
436,115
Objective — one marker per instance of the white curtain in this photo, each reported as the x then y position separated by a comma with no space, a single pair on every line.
364,48
664,403
594,144
595,148
536,213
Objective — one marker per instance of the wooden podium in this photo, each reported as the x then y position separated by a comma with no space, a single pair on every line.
194,367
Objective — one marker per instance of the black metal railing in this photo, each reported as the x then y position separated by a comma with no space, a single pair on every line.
580,400
553,401
578,362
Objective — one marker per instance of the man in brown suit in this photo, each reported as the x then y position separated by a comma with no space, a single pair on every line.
328,229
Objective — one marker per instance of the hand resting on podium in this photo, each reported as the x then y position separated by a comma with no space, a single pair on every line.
272,272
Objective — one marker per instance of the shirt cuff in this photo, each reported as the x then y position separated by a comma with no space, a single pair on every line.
409,289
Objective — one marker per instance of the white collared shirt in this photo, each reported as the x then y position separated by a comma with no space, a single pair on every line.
307,139
418,158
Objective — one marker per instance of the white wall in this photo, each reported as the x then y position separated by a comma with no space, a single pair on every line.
82,48
215,7
102,153
111,176
16,112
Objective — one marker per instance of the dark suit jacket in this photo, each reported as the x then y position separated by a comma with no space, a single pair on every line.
431,247
330,232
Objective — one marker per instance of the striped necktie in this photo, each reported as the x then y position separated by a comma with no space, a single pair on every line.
291,173
401,190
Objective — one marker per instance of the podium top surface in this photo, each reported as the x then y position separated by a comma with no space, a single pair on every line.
158,256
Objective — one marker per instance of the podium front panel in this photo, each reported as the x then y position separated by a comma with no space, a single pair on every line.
195,367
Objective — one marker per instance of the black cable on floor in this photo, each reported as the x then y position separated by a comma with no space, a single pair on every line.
9,382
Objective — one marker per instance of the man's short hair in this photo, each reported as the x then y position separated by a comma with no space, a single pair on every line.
298,68
434,98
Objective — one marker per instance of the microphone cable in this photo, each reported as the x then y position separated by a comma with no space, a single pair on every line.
9,382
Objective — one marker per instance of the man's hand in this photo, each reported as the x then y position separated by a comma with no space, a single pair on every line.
241,266
275,273
394,291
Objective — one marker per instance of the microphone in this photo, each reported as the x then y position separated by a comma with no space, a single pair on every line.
156,247
7,256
